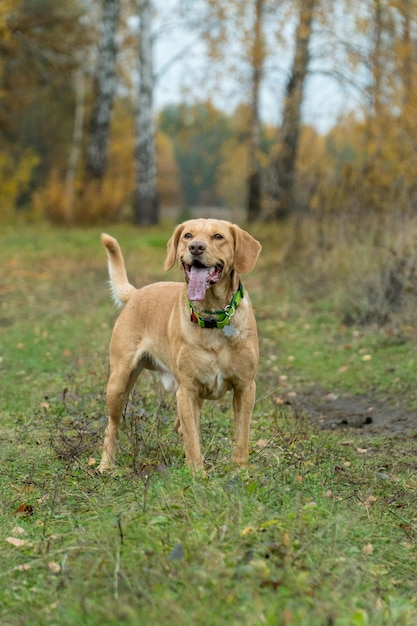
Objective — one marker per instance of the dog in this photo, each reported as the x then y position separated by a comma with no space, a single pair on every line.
199,334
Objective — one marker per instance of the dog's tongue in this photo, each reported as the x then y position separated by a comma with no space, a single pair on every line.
197,283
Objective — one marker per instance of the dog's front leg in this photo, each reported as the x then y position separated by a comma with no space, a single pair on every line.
243,402
189,406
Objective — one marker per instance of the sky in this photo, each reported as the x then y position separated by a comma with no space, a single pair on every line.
180,63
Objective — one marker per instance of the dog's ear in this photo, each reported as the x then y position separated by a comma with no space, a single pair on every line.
247,250
172,248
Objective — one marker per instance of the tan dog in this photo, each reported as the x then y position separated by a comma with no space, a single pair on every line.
200,335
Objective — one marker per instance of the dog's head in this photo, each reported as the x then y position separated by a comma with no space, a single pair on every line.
208,250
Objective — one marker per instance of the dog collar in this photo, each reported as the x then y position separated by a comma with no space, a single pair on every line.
220,318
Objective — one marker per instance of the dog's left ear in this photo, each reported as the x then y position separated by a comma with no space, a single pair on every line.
247,250
172,248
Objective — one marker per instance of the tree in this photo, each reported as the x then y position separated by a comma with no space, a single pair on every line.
286,157
37,43
104,89
257,57
145,194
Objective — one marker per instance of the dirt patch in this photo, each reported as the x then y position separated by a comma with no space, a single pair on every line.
343,411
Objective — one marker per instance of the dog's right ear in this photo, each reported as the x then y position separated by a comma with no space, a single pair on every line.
172,248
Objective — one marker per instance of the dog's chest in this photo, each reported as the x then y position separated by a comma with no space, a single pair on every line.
213,375
214,385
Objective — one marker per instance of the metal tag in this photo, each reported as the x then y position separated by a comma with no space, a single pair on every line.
229,330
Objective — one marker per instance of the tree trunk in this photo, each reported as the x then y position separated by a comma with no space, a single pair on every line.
75,152
285,161
254,195
104,90
145,196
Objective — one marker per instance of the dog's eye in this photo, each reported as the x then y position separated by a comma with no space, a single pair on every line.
218,236
188,236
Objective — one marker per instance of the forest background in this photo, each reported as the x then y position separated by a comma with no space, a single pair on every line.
82,141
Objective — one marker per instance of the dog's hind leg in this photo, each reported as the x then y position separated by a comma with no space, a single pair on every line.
120,385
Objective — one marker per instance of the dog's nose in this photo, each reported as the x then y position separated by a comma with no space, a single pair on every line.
197,247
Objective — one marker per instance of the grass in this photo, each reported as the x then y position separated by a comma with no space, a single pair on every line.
320,529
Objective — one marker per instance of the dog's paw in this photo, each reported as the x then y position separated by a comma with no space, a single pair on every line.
240,459
103,468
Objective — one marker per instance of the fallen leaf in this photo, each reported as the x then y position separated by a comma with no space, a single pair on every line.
25,488
361,450
367,549
53,567
262,443
91,462
24,509
23,568
18,530
15,541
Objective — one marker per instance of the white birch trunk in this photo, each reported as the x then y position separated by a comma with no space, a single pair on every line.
145,197
105,83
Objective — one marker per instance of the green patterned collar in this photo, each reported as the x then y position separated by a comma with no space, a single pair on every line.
218,319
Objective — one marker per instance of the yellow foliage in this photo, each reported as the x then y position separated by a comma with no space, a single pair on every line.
14,180
168,183
232,177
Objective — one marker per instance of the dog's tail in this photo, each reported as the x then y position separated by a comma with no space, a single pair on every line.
121,289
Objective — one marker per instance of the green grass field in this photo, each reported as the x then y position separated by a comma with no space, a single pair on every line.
319,530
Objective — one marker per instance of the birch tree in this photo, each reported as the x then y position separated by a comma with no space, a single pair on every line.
105,83
257,54
145,193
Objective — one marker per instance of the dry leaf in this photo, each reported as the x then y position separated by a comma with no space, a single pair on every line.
23,568
362,450
18,530
15,541
367,549
53,567
91,462
25,488
24,510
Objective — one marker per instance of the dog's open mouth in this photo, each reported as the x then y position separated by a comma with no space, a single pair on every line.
200,277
